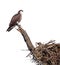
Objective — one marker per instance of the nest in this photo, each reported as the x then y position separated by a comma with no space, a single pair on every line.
43,54
48,54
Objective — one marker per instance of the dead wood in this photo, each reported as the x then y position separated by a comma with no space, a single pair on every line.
28,42
48,54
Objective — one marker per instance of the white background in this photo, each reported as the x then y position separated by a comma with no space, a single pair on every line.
41,20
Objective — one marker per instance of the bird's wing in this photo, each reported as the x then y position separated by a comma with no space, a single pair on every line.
19,17
14,20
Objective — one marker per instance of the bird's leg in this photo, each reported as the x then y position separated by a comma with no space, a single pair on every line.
18,25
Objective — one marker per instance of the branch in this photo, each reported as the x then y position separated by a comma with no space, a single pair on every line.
30,46
26,38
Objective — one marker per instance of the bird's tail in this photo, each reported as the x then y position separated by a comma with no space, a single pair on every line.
9,29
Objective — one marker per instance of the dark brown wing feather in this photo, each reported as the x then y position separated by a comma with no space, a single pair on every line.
14,20
10,28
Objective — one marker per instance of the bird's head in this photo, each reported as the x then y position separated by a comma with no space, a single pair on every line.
20,11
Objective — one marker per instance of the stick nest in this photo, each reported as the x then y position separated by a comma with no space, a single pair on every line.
48,54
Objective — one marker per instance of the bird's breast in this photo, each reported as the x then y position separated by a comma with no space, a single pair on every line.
19,18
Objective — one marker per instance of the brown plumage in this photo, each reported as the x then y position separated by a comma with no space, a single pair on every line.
16,18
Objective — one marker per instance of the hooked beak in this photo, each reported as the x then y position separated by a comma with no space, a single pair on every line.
21,10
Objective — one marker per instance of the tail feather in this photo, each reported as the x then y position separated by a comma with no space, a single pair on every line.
10,28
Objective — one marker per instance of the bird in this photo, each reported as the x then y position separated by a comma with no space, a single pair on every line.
15,20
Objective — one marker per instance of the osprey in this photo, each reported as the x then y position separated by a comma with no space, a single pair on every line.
15,20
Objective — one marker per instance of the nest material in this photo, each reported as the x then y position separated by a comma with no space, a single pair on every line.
48,53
